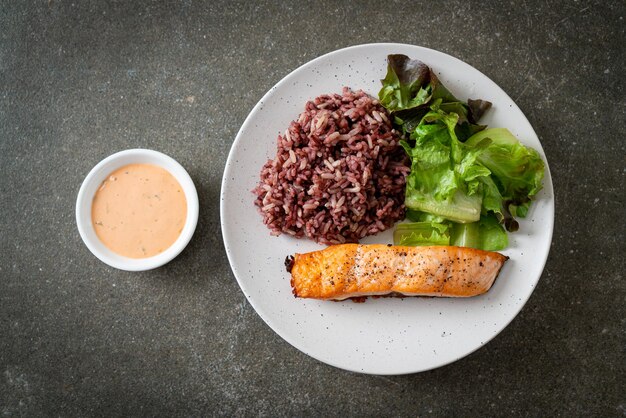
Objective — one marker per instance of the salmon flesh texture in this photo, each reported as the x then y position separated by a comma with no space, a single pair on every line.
354,270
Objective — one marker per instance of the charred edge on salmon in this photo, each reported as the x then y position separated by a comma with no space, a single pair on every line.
289,260
293,288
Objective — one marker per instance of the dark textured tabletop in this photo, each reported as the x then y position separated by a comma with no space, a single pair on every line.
80,80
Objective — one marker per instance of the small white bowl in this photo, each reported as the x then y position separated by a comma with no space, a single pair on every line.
95,178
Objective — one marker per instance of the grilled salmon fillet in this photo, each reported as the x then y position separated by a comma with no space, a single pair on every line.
353,270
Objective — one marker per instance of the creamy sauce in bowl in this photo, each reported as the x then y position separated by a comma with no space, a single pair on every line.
139,211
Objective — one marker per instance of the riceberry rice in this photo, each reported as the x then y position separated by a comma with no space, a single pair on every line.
339,173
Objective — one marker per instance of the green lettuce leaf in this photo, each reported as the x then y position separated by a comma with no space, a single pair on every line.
422,233
517,172
410,87
406,84
465,235
417,216
486,234
445,175
492,236
467,183
492,172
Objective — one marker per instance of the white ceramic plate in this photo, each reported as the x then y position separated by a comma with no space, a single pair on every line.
386,335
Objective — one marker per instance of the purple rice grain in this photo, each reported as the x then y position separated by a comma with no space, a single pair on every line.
338,174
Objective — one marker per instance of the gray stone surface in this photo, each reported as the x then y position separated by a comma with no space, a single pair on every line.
80,80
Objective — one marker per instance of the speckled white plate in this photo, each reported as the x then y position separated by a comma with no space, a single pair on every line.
386,335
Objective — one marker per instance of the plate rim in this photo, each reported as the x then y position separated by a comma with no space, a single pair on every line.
229,165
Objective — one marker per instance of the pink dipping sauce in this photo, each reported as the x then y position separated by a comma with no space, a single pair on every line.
139,211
